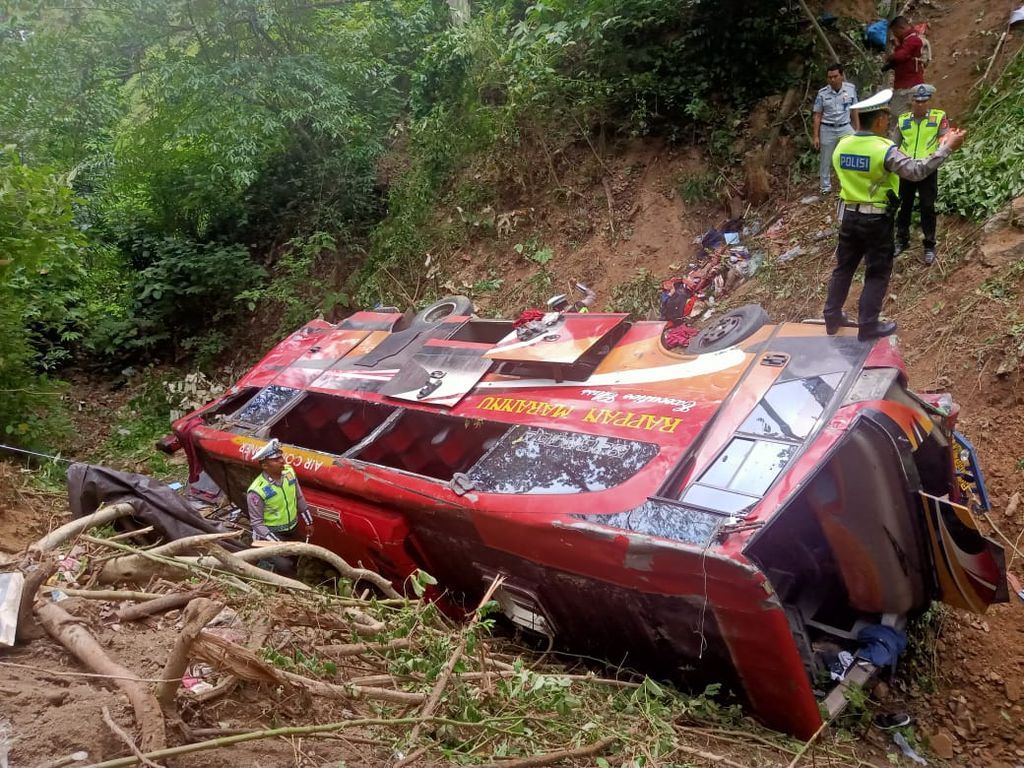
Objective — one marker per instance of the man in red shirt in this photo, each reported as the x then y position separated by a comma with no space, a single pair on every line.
906,64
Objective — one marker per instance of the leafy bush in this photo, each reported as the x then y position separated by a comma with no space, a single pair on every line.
987,171
40,252
182,287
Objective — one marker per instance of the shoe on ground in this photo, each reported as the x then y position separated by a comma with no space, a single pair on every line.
832,325
889,722
928,257
876,330
901,246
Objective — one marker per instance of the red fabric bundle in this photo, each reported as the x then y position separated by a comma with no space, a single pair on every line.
528,316
679,336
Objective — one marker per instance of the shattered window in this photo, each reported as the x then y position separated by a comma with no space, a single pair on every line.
740,475
790,409
547,461
666,519
267,404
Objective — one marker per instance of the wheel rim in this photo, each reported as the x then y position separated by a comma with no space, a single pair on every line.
440,312
719,331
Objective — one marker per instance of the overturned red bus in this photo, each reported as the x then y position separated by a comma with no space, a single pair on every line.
720,513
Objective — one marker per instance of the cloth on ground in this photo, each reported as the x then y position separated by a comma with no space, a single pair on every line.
881,645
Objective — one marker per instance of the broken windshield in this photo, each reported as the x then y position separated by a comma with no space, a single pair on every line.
533,460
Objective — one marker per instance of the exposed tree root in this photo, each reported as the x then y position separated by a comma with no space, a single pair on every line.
350,572
102,516
66,630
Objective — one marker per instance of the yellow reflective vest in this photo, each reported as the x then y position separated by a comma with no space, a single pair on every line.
859,161
920,137
280,511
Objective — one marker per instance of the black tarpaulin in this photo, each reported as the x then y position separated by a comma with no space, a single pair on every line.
90,487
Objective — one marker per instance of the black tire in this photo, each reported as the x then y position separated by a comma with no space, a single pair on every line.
729,329
439,310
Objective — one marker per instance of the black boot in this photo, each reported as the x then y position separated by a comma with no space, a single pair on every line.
832,324
876,330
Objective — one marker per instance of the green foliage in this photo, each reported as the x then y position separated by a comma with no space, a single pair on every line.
181,287
638,296
987,171
534,251
288,296
698,188
40,255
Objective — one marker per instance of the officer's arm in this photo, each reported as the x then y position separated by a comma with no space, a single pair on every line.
817,128
855,119
914,170
259,528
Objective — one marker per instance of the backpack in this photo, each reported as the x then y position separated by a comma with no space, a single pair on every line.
876,35
921,30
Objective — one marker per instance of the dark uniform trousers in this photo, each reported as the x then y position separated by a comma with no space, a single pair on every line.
928,188
866,236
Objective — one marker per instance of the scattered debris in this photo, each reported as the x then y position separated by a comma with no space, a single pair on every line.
789,255
907,750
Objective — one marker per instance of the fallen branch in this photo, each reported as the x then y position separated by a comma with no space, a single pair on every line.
357,649
350,620
711,757
92,675
161,604
127,739
553,757
62,762
992,60
350,572
65,629
139,562
245,664
807,744
132,534
239,567
112,595
198,614
833,56
305,730
36,568
260,633
176,566
102,516
446,673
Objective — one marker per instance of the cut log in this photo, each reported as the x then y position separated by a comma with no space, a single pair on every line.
161,604
66,630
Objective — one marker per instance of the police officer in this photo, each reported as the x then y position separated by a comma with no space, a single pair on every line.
275,500
833,119
920,131
869,165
